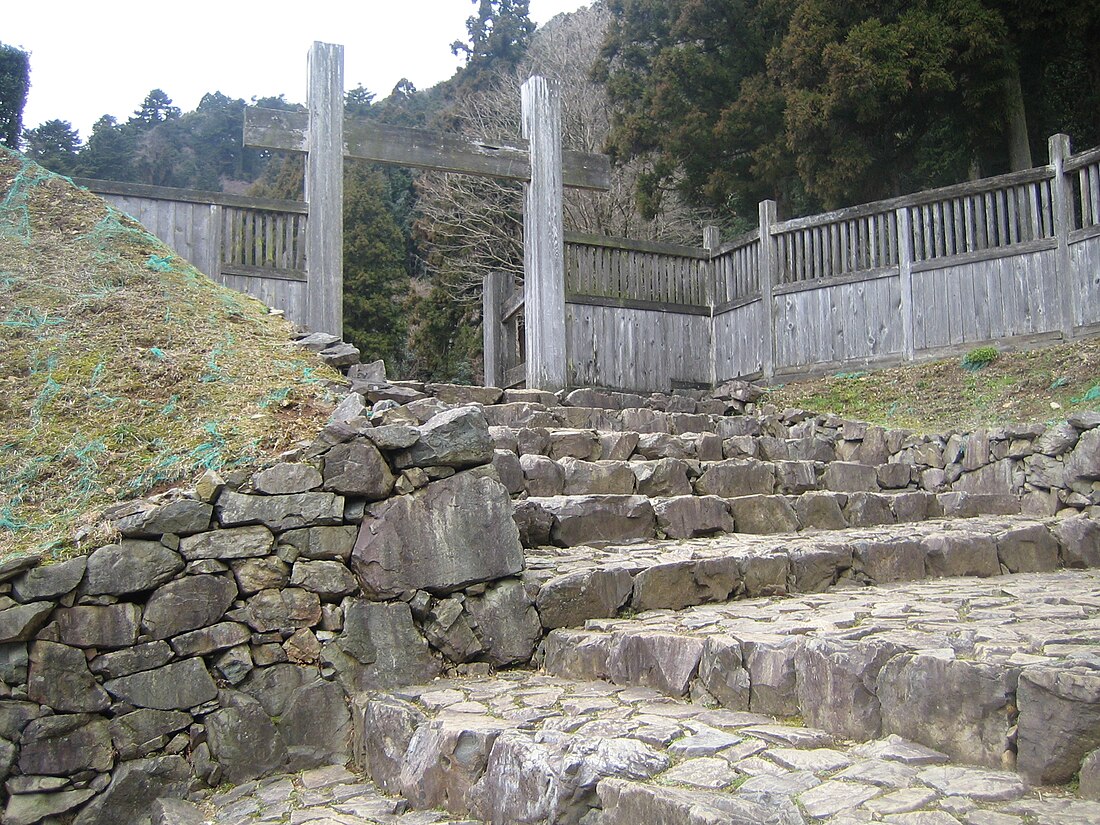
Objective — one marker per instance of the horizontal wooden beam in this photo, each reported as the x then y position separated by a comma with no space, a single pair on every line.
274,273
627,244
420,149
168,193
512,305
633,303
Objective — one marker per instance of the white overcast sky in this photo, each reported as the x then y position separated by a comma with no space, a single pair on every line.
91,59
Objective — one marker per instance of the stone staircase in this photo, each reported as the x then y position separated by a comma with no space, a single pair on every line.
600,609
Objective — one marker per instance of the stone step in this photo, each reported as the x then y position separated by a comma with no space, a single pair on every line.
540,475
1047,473
330,795
572,520
530,748
572,585
1000,672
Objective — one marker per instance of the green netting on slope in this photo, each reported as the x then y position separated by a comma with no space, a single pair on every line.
114,228
15,219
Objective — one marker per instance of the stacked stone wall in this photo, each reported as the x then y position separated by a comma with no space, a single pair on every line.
220,637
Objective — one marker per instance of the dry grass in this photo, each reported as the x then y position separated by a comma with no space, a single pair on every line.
123,369
1018,387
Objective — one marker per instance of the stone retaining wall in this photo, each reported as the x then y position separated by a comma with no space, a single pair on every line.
219,638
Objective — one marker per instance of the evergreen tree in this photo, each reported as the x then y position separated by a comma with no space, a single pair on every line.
499,35
109,151
54,144
376,283
15,81
819,103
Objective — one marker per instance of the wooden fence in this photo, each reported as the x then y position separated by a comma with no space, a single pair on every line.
256,246
1011,260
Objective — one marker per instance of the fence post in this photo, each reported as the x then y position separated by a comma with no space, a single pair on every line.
492,327
711,241
768,278
1059,149
905,273
216,255
543,239
324,184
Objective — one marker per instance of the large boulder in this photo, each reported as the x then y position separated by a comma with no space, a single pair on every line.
685,517
384,727
570,599
1083,464
836,684
674,585
585,519
280,513
243,739
187,604
1059,722
444,759
176,686
453,438
958,707
99,626
134,789
737,478
380,647
180,518
130,567
59,678
663,661
66,744
50,581
507,622
448,535
357,468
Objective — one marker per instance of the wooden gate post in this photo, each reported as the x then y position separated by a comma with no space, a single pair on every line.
543,239
904,220
492,326
768,278
324,186
1059,148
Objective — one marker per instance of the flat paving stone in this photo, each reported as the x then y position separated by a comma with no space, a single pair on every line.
832,781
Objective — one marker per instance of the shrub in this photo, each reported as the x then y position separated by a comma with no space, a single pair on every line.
979,357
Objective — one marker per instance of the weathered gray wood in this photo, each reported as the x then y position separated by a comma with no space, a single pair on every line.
420,149
168,193
767,215
905,279
1085,257
1059,149
324,185
630,303
252,271
984,255
492,327
543,235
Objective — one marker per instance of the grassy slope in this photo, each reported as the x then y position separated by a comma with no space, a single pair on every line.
1037,385
123,369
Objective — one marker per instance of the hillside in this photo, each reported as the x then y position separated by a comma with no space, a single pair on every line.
124,370
956,394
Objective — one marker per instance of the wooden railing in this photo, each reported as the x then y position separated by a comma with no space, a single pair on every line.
1010,259
1085,199
255,245
635,272
264,243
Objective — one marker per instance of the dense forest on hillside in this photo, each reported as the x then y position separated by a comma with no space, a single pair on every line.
706,106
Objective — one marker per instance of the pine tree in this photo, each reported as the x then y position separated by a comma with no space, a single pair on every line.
54,144
15,81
